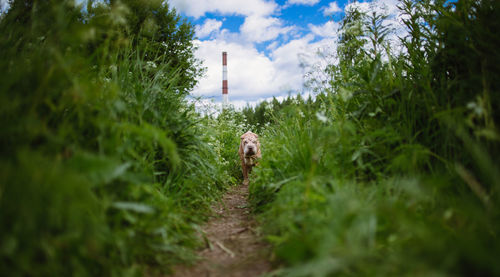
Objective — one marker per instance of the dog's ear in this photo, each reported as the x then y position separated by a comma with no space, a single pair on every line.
243,136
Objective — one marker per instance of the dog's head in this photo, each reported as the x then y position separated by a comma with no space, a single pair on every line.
250,144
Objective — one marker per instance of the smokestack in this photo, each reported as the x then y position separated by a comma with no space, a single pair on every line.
224,79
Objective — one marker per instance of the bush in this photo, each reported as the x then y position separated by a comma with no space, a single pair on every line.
106,169
392,171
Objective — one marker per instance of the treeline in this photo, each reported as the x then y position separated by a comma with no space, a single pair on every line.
393,168
105,168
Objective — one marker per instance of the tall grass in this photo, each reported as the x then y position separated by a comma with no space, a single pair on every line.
393,170
106,170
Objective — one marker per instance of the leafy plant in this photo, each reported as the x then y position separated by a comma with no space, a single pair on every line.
106,169
391,171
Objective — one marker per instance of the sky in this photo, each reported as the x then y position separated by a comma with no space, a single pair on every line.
270,43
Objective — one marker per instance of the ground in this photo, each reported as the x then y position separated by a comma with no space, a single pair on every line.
233,247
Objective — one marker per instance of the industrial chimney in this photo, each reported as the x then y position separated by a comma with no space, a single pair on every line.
224,79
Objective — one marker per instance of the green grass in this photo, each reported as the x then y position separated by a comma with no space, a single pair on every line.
392,169
106,169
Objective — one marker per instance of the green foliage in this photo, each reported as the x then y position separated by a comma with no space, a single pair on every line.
159,30
106,169
225,130
393,169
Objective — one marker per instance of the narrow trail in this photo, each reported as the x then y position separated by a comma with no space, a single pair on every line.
233,246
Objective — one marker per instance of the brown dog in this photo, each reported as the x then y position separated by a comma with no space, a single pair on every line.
249,153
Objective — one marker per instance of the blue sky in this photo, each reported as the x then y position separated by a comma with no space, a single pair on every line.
297,15
267,42
270,43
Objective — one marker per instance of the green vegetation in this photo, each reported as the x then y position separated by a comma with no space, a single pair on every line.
393,169
106,169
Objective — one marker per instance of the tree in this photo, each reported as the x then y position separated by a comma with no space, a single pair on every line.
162,36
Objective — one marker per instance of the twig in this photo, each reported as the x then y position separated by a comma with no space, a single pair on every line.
474,185
240,231
225,249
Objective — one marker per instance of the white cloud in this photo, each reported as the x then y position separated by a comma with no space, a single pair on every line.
209,26
394,19
259,29
389,7
4,5
197,8
303,2
250,73
328,30
273,45
253,75
259,24
332,8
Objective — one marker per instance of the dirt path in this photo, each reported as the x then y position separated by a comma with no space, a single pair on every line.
233,247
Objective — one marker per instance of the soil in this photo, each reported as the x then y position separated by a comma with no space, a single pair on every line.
233,247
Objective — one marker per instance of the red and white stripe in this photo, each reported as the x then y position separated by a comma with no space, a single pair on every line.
224,77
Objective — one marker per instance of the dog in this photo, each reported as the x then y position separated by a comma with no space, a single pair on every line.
249,153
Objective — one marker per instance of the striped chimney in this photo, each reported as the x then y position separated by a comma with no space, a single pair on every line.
224,78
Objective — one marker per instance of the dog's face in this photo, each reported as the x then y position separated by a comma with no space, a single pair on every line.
249,153
249,143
